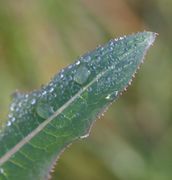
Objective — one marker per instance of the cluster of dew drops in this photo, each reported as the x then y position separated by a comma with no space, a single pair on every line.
81,74
29,100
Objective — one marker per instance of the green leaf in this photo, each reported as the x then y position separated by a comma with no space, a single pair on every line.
42,123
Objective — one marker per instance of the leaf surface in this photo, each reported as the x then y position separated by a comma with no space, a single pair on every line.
42,123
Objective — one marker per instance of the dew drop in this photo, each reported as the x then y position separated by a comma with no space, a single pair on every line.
130,82
61,75
102,48
81,75
12,106
133,76
20,104
70,66
10,115
1,170
111,48
33,101
78,62
51,90
9,123
116,93
44,93
112,96
89,58
84,136
44,110
108,97
111,43
13,119
90,89
99,58
17,109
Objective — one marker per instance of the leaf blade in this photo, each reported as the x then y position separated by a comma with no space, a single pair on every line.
43,122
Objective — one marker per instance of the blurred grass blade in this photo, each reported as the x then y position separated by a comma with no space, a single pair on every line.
42,123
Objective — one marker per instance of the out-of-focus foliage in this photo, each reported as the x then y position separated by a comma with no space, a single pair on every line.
133,140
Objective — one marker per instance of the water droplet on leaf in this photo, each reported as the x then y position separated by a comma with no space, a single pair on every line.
112,96
78,62
108,97
10,115
116,93
51,90
13,119
84,136
44,110
82,74
33,101
61,75
44,93
1,170
9,123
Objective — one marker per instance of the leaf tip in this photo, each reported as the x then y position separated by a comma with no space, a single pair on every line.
150,37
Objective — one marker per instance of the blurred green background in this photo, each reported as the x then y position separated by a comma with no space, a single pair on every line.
133,141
